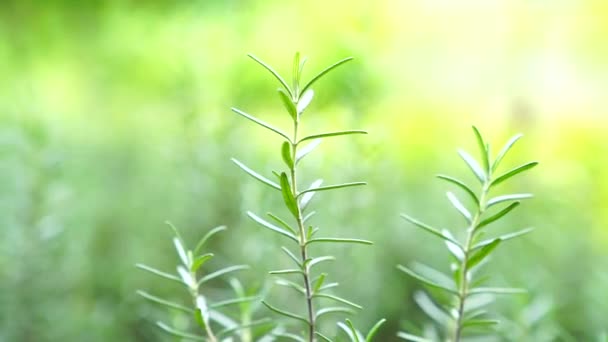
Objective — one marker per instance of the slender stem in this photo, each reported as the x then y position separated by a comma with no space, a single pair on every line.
464,267
195,294
302,231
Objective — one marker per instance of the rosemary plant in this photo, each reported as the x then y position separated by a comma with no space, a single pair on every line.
213,325
465,286
297,231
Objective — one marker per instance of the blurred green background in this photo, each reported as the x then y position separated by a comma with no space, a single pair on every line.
115,116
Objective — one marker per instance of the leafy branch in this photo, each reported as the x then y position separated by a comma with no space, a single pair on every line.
472,253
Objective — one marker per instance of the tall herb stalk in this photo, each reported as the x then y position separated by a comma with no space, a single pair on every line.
469,254
296,98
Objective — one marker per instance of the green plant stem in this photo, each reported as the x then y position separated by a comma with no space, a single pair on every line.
464,268
303,239
195,294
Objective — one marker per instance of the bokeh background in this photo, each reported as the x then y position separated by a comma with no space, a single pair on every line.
115,117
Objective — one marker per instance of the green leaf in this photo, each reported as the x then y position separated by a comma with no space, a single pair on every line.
339,240
323,337
243,326
506,198
478,257
178,333
496,290
372,332
288,196
330,134
319,282
159,273
513,172
430,308
199,319
282,223
350,330
473,165
289,336
233,301
309,263
426,281
455,249
483,149
309,195
199,261
221,272
308,216
480,323
504,151
431,230
325,71
286,154
292,256
331,187
285,313
461,185
459,206
164,302
272,227
337,299
498,215
504,237
411,337
334,309
290,284
261,123
291,108
274,73
181,252
295,73
432,274
304,151
256,175
206,238
287,271
304,101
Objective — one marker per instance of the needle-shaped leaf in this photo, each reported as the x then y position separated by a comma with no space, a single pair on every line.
323,337
496,290
255,323
513,172
461,185
272,227
295,73
181,252
330,134
292,337
480,323
308,216
290,284
350,330
482,149
221,272
454,248
206,238
274,73
288,196
233,301
285,313
289,105
431,230
482,253
305,200
164,302
432,274
319,282
292,256
504,237
313,261
287,271
199,261
498,215
261,123
504,151
282,223
426,281
177,333
337,299
305,100
459,206
301,153
372,332
473,165
256,175
507,198
430,308
334,309
325,71
286,154
159,273
339,240
331,187
413,338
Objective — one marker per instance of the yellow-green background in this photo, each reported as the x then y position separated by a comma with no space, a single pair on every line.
115,116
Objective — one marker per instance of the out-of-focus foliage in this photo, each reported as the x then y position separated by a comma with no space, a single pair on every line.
114,117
